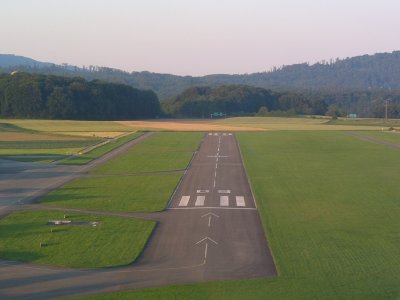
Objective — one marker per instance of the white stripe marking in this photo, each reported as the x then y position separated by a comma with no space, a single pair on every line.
184,201
203,191
240,201
224,201
200,201
230,134
215,134
224,191
215,183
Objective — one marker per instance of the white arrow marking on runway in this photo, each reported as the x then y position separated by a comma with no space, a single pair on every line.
207,239
210,215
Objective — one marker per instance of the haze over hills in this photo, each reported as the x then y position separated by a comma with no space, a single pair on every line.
369,72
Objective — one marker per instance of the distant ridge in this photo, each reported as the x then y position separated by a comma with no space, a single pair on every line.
11,60
367,72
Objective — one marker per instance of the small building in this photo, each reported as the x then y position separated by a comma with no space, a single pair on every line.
352,116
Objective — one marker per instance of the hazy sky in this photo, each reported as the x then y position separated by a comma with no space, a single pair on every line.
197,37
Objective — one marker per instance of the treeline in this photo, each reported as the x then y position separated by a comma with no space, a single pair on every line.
24,95
201,102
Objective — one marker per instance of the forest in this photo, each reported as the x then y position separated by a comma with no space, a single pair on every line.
35,96
231,100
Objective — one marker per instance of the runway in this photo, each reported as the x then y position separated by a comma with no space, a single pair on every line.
211,230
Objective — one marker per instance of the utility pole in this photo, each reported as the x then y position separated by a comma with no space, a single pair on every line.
386,109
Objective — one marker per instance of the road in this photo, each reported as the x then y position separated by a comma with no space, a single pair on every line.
211,230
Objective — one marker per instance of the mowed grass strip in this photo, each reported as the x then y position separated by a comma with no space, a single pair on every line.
97,152
113,242
161,152
330,206
67,125
146,193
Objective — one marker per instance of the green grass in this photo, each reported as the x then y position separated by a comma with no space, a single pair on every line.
47,144
33,151
146,193
100,151
114,242
392,137
6,127
302,123
161,152
67,126
330,206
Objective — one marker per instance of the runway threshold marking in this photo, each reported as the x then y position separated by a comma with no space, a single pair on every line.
200,201
184,201
224,201
240,201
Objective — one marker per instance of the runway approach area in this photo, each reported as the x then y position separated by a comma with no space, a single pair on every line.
210,230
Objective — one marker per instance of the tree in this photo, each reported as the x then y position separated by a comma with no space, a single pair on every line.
262,112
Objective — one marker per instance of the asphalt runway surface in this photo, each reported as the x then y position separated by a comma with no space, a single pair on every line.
211,230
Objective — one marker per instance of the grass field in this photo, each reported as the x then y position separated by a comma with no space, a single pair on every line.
113,242
161,152
330,206
100,151
68,126
304,123
262,124
392,137
116,193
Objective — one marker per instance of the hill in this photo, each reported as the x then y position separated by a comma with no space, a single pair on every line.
369,72
11,60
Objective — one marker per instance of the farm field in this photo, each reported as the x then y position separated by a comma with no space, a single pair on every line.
116,193
303,123
113,242
261,124
69,127
167,151
47,141
329,205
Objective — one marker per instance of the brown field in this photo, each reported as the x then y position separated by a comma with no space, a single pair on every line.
186,125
